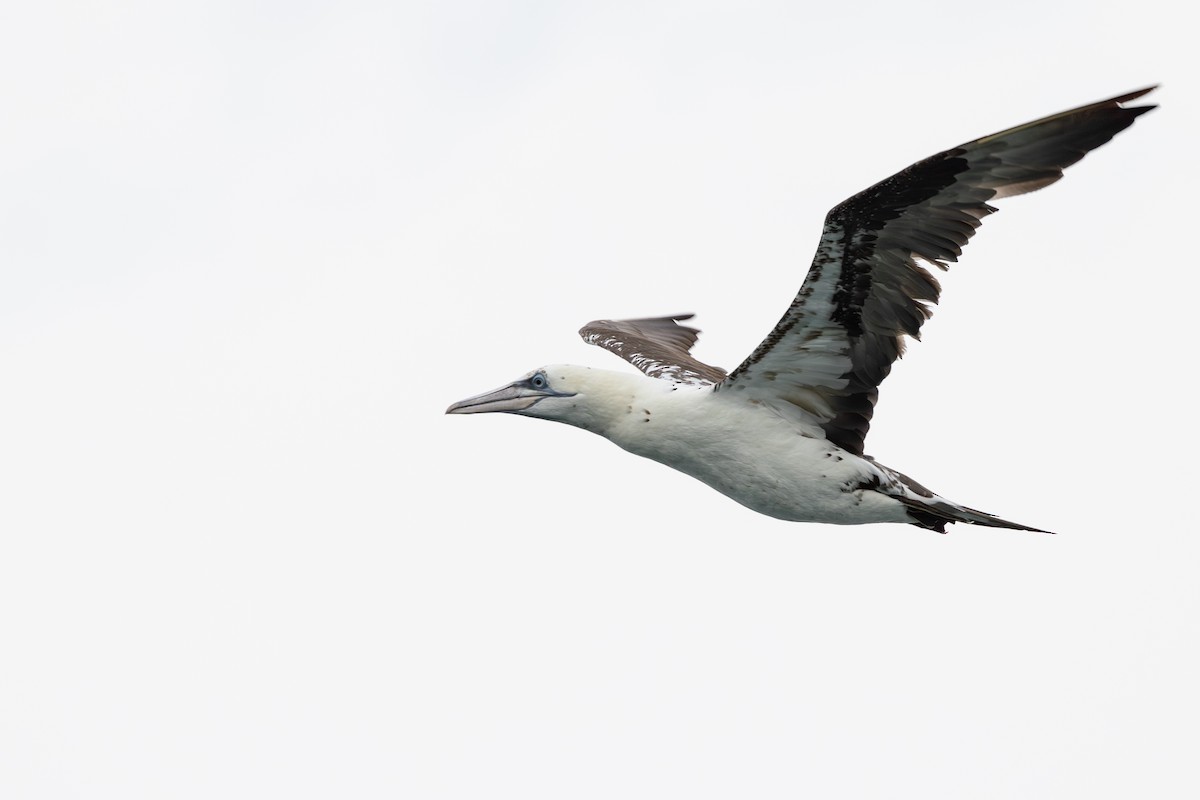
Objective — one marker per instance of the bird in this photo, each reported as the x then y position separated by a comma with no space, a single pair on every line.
783,433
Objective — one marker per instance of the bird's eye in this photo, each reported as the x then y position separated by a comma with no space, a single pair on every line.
538,381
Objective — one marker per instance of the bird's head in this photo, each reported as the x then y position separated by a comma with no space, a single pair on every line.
579,396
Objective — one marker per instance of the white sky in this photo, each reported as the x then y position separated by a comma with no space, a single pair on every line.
249,252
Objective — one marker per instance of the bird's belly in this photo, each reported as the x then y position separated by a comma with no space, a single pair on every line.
813,488
778,471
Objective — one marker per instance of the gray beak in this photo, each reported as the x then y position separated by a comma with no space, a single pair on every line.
512,398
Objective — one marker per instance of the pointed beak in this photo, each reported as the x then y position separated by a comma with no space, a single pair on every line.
513,398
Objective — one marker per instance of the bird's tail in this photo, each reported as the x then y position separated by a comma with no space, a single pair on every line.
934,512
928,510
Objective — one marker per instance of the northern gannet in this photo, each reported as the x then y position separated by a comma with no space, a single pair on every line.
783,433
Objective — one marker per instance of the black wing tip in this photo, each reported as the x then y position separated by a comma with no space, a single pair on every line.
1118,102
1136,111
1134,95
668,318
1130,113
665,318
598,326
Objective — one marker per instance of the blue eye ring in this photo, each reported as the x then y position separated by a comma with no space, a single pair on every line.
538,381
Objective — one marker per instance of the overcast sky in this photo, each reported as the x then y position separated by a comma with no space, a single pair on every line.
249,252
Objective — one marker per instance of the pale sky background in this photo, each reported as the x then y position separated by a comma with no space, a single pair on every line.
249,252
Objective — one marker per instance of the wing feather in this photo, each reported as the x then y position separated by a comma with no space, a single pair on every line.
658,346
867,287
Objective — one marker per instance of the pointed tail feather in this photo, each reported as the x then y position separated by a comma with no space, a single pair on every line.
933,513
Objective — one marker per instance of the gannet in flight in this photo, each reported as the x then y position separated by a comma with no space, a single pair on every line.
783,433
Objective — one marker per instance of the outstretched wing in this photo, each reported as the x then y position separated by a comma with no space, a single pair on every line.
866,290
656,345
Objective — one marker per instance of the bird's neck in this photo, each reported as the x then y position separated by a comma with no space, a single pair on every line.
605,400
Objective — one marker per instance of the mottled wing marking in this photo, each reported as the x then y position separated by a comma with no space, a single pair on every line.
658,346
866,289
